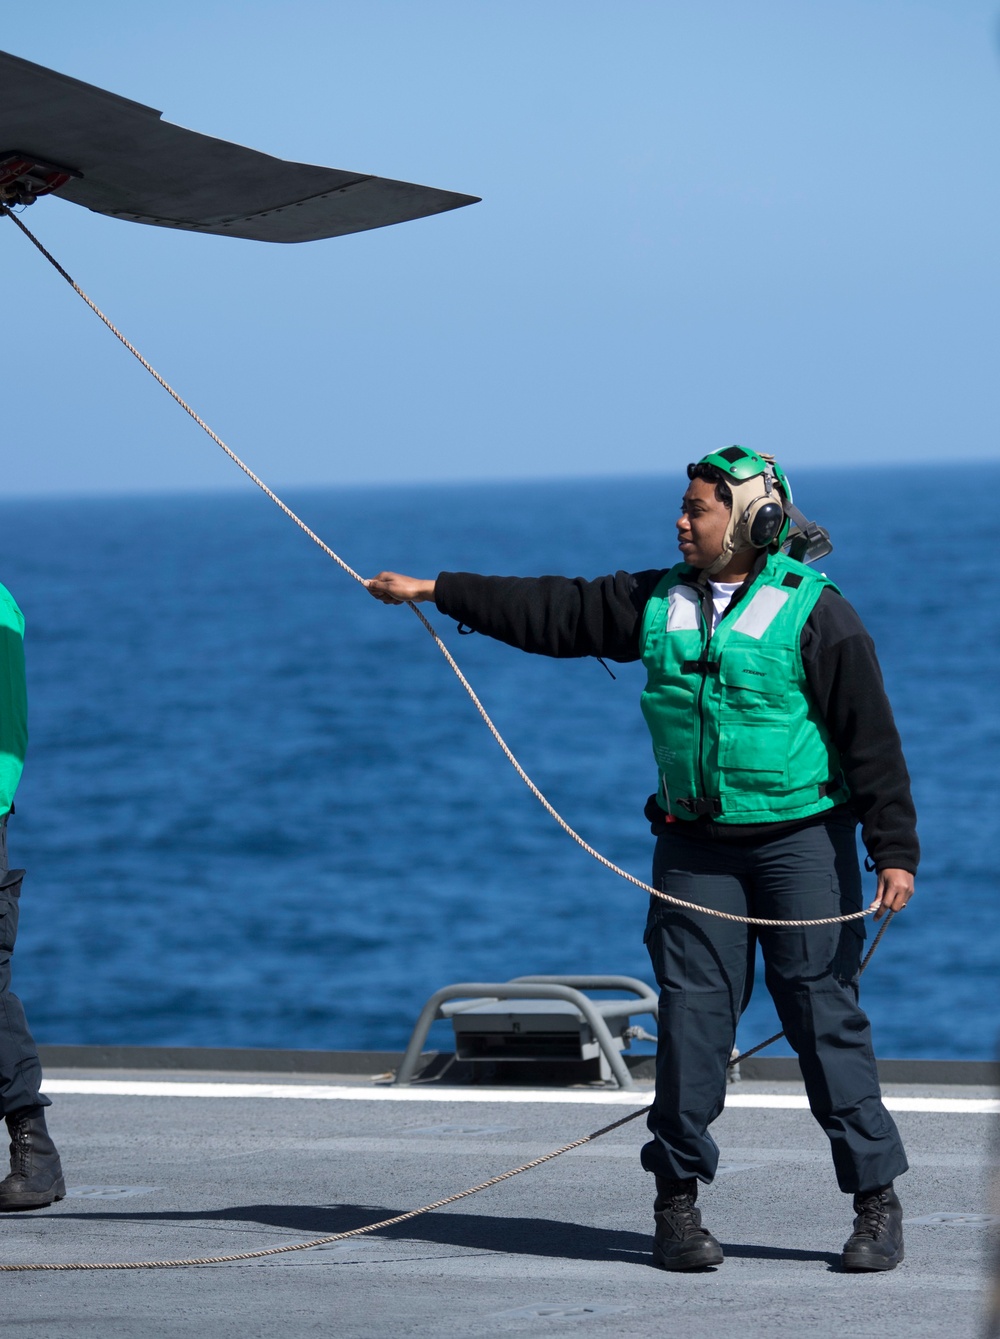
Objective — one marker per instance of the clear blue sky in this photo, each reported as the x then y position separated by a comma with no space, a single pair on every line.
703,221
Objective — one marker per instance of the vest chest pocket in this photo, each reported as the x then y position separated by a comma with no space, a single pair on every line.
753,717
754,680
760,747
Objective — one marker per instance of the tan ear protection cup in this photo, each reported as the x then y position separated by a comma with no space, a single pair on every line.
762,521
754,522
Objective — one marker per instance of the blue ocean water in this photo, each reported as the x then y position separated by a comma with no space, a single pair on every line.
259,810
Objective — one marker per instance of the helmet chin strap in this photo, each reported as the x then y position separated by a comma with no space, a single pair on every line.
736,540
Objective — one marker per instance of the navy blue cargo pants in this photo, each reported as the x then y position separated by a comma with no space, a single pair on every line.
704,967
20,1069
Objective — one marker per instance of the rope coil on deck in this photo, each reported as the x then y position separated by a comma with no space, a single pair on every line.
346,567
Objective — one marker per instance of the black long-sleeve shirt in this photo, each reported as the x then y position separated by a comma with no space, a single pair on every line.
570,617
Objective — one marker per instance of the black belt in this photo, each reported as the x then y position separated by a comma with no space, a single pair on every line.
701,805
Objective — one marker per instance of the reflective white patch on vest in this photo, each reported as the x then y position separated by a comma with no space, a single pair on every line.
684,609
761,612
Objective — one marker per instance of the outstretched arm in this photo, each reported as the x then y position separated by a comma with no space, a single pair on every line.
549,616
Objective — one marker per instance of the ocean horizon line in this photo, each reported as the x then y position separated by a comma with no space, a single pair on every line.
371,487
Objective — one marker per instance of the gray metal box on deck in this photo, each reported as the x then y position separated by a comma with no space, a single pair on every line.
536,1030
552,1020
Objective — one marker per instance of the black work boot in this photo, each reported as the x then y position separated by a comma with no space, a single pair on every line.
877,1239
681,1242
35,1178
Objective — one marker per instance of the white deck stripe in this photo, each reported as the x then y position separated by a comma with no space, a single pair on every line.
973,1106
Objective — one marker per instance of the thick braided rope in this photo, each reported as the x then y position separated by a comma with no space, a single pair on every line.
183,403
553,813
745,1055
336,1236
585,845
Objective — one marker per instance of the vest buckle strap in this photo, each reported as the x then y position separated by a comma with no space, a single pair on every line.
704,667
701,806
831,787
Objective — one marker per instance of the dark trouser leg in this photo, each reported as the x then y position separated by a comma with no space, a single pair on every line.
20,1069
812,975
704,967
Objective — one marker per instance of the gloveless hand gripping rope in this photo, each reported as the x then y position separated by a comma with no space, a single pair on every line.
549,808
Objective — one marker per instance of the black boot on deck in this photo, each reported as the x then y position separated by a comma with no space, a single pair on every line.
35,1178
877,1239
681,1242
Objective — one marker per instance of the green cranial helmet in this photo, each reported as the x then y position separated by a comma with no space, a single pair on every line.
742,465
762,514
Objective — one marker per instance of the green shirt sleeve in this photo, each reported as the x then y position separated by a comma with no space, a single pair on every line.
13,700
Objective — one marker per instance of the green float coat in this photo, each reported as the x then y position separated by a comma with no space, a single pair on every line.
13,700
730,712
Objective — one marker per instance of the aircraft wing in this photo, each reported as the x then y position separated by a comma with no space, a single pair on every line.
131,164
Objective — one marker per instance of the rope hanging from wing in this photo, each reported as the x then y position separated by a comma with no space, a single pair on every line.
691,906
346,567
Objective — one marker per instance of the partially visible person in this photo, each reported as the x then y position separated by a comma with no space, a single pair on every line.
35,1178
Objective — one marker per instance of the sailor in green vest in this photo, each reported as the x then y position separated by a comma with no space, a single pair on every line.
773,739
35,1177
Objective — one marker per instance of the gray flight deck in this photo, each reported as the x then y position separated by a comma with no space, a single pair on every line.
559,1250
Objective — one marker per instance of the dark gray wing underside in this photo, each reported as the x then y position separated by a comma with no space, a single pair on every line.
136,166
